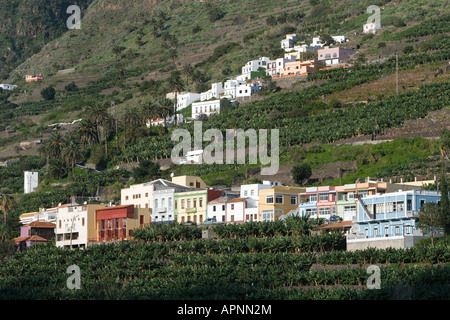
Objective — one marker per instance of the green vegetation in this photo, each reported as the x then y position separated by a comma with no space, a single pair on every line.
273,267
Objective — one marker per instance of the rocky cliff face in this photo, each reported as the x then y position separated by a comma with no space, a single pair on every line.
27,25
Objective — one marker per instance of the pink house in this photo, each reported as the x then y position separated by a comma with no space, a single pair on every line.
334,55
35,232
297,68
318,202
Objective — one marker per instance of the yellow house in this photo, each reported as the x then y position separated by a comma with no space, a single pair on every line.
189,181
277,201
193,205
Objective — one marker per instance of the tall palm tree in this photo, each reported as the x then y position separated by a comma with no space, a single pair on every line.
73,153
165,109
7,204
188,71
148,111
97,112
57,143
45,150
176,85
87,132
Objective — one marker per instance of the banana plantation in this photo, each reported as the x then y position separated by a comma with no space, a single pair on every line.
158,265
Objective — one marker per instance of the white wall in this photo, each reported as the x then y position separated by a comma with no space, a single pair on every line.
31,181
72,219
163,206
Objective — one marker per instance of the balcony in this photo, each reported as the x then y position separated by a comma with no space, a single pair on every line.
412,214
191,210
160,210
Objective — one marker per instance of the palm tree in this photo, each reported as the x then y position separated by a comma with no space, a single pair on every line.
166,109
45,150
98,113
7,204
57,143
188,71
148,111
87,132
177,86
73,153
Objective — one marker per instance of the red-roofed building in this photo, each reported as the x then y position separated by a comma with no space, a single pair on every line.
35,232
235,210
118,222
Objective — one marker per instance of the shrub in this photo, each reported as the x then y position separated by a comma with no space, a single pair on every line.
48,93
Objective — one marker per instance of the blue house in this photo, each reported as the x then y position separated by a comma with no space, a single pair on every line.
389,220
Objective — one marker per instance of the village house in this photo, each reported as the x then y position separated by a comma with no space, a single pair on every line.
118,222
334,55
277,201
34,233
76,225
389,220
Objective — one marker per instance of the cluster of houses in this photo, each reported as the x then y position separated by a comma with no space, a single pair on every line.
250,81
370,212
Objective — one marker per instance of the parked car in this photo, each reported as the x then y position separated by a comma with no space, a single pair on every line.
210,221
190,223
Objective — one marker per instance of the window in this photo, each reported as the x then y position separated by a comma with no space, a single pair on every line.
195,203
278,199
60,223
269,199
232,206
293,200
324,211
200,202
245,192
349,209
156,203
82,222
170,203
323,197
214,208
313,197
252,192
266,215
189,203
182,204
375,231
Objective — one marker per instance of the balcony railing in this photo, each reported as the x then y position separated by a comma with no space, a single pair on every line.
191,210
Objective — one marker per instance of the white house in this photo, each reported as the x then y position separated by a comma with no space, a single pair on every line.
194,156
163,207
31,181
206,107
371,27
215,92
316,42
235,211
253,66
274,66
6,86
217,209
251,193
76,225
184,99
289,42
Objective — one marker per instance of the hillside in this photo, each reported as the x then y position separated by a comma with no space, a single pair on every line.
122,60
